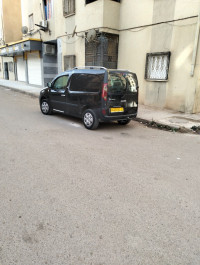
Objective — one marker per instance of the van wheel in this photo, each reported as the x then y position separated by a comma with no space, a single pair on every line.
90,120
45,107
123,122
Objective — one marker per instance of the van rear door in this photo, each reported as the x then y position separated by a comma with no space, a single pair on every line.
122,97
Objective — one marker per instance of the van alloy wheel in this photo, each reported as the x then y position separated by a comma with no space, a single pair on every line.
45,107
90,120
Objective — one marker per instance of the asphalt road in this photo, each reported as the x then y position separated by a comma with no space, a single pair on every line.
115,196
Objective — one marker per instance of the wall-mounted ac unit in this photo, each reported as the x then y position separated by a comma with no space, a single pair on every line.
49,49
44,24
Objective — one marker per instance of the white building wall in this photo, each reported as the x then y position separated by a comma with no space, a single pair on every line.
181,90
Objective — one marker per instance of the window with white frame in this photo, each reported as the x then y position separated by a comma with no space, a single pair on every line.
31,22
157,66
68,7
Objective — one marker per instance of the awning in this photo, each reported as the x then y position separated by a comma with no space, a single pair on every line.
19,47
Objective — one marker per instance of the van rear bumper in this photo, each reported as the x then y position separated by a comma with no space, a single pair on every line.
117,117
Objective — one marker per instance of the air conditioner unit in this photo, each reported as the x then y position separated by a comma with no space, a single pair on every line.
49,49
44,24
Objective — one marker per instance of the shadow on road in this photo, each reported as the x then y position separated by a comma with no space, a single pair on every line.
102,125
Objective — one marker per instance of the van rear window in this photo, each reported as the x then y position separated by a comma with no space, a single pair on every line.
86,82
121,82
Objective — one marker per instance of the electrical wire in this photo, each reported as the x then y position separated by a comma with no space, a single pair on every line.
140,28
169,23
70,42
181,25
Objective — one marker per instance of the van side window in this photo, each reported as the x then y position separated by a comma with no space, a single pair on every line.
86,82
61,83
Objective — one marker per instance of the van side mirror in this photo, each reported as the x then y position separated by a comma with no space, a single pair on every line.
49,84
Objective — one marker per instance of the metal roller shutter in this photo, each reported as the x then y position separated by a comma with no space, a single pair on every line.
21,69
34,68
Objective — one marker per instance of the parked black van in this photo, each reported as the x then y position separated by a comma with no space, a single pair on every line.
94,94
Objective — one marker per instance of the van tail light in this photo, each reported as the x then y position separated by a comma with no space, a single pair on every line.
105,91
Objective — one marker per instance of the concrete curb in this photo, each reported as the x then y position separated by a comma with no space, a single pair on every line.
164,126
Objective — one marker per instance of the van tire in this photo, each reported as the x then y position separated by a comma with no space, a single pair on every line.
90,120
124,122
45,107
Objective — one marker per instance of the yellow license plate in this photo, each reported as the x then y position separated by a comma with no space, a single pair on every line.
113,110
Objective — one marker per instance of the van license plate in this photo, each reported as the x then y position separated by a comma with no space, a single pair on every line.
113,110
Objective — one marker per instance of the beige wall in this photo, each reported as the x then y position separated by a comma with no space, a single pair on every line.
181,92
12,20
1,24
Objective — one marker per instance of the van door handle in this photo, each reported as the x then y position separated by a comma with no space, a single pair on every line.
62,95
111,99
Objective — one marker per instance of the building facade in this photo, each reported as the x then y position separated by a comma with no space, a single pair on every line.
158,40
10,30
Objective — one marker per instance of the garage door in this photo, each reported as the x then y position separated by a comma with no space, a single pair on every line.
21,67
34,68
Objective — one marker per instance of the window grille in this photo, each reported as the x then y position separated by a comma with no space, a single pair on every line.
68,7
157,66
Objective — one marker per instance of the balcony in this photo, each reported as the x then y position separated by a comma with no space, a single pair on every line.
98,14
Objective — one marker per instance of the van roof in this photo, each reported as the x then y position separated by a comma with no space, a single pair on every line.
93,69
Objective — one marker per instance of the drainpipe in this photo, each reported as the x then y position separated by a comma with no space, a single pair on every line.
196,41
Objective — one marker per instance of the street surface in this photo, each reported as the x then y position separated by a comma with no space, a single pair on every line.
115,196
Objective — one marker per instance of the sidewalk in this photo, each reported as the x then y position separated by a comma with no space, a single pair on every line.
175,120
21,87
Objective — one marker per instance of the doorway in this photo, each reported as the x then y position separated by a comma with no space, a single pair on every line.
6,72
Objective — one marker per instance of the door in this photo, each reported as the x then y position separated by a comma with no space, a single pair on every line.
122,93
34,68
84,91
21,69
58,94
6,73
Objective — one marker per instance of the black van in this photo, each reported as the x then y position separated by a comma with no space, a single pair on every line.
94,94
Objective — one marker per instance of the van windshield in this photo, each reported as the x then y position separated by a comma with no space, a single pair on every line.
120,82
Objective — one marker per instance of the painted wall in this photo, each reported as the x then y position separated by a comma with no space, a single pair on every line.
181,91
12,20
1,24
